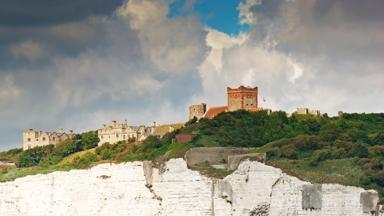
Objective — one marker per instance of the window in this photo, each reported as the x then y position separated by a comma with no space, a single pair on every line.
43,138
124,137
29,139
117,135
101,136
53,138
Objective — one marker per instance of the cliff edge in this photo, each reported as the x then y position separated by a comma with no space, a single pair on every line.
138,188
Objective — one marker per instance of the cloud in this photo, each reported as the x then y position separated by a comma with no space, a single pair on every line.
173,45
246,15
29,50
301,53
9,92
132,60
47,12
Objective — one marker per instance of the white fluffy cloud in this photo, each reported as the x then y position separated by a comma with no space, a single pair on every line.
174,45
30,50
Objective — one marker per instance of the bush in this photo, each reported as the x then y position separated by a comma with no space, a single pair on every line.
376,151
32,157
320,155
88,140
85,161
359,150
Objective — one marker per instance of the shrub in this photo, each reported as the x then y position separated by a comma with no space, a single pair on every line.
85,161
376,151
359,150
320,155
89,140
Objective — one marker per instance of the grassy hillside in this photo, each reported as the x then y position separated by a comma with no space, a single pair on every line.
348,149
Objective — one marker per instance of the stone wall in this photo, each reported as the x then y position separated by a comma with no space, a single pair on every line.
138,188
242,98
197,110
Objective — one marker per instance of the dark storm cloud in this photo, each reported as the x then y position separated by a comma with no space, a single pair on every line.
352,10
50,12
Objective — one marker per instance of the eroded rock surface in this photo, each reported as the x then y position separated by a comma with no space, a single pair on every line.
138,188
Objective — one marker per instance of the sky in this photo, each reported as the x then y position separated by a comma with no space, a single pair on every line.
80,64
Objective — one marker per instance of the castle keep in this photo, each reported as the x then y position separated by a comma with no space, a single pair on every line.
32,138
242,98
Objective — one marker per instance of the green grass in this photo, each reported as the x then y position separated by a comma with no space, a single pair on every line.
207,170
342,171
88,158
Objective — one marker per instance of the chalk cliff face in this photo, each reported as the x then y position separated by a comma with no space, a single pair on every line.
139,189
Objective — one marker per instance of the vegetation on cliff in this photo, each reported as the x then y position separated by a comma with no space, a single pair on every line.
348,149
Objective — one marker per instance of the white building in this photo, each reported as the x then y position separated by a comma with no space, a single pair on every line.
117,132
306,111
32,138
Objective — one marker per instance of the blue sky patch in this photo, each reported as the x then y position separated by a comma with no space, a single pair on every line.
221,15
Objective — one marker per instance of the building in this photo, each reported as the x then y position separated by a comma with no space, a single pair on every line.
32,138
306,111
197,111
242,98
117,132
183,138
122,132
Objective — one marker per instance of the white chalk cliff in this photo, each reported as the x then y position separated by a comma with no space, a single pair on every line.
139,189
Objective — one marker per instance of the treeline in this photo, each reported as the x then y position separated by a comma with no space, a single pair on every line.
51,155
247,129
305,139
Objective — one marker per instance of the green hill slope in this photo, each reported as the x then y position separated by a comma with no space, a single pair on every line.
348,149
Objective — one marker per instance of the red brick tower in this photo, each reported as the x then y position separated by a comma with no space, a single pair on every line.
242,98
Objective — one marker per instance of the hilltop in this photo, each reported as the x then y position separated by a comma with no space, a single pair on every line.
348,149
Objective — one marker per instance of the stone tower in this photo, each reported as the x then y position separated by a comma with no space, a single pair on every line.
242,98
197,110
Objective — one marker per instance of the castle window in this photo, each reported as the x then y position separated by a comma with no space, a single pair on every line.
43,138
117,135
53,138
29,139
101,136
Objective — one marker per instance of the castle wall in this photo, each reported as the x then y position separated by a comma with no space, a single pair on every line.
197,110
242,98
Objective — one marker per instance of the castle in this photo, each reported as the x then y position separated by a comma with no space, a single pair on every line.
242,98
306,111
122,132
32,138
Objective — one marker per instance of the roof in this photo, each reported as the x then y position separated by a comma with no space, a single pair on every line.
182,138
214,111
